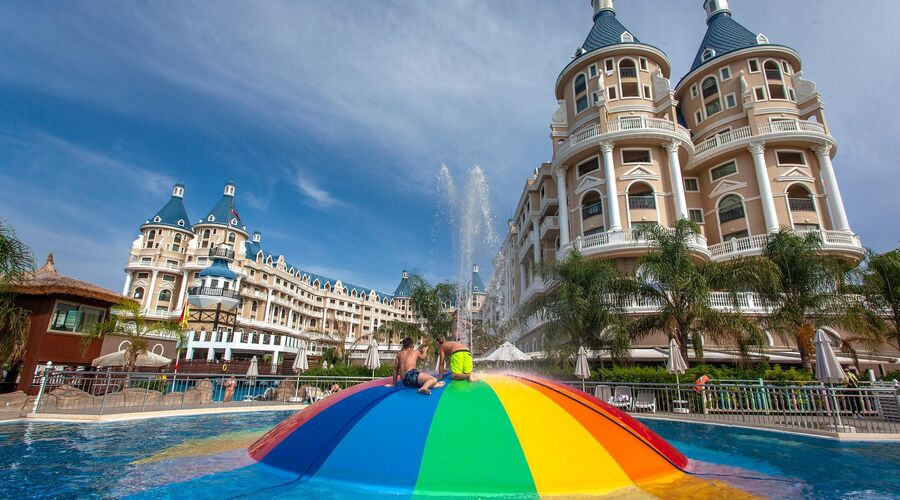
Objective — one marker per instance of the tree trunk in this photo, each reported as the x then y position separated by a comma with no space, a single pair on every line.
804,346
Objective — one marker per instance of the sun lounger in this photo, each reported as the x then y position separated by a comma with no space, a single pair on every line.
603,393
622,399
645,400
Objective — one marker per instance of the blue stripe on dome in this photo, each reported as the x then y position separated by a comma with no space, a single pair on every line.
607,31
724,35
171,214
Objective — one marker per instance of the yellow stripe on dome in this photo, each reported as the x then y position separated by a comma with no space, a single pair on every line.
564,458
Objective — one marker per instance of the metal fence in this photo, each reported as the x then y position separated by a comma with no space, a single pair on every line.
98,393
805,408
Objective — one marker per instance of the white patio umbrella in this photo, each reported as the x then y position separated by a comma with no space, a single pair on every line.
373,359
828,371
507,352
147,359
582,369
301,364
675,364
253,370
325,364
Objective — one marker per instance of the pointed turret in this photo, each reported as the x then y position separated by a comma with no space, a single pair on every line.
607,29
224,213
404,289
477,283
723,34
172,213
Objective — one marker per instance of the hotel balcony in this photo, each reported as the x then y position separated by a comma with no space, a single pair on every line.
221,252
547,203
536,287
625,243
550,225
782,129
209,297
637,126
841,242
155,264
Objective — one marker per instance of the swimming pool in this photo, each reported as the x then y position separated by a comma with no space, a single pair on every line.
204,456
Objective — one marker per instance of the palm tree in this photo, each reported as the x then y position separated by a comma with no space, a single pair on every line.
880,285
16,265
682,285
806,289
582,308
127,321
432,306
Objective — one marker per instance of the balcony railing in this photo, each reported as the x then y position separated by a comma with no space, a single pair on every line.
628,72
773,74
723,139
801,205
592,210
214,292
621,125
790,126
731,214
745,134
627,238
550,223
221,253
756,243
642,201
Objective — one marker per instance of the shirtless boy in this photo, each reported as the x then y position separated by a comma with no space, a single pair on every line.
406,364
460,360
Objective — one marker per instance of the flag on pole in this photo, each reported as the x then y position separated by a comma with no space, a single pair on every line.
183,319
234,212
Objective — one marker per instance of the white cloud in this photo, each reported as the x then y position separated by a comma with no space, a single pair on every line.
315,195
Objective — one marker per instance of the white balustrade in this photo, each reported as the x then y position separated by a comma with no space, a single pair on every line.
752,245
723,139
745,134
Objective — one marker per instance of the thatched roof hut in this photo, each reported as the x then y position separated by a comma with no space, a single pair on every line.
47,281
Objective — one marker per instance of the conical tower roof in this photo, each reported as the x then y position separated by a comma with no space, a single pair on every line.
224,212
404,289
477,283
607,30
172,213
723,34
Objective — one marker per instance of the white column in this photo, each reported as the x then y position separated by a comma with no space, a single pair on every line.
612,194
758,150
150,291
832,192
268,305
562,194
210,354
677,182
127,284
536,241
184,281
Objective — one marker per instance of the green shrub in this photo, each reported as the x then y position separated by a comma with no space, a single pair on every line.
894,375
658,374
342,370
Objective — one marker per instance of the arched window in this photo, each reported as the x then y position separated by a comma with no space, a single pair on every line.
206,234
150,236
711,102
731,207
177,238
231,238
775,80
254,306
628,78
165,296
592,206
800,199
640,195
581,100
138,293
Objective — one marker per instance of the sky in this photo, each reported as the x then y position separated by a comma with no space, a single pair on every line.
333,118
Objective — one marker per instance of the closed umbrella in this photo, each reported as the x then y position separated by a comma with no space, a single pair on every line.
582,369
301,364
253,370
147,359
373,359
828,371
507,352
325,365
675,364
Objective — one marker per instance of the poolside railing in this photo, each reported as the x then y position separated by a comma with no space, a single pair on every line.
98,393
817,409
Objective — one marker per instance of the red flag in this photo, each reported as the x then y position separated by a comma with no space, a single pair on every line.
234,212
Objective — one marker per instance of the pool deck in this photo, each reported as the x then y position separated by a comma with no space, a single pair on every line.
121,416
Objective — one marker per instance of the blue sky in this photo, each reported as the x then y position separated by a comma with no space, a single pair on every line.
333,117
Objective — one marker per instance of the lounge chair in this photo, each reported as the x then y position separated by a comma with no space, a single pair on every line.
623,398
314,394
646,400
603,393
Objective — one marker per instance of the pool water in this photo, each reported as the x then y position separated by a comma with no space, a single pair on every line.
205,457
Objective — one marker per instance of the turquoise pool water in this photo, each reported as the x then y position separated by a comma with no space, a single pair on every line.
48,460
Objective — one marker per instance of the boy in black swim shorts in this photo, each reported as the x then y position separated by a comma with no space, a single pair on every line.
406,364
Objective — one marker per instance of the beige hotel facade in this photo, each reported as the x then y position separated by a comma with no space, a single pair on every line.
740,145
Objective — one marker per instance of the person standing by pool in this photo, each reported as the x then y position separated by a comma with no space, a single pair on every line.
405,363
460,360
229,389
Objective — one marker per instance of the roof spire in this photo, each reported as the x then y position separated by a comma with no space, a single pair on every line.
603,5
714,7
49,267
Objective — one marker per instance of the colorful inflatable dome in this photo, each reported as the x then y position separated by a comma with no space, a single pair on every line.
505,434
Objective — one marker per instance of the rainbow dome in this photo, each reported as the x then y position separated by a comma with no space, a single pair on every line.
505,434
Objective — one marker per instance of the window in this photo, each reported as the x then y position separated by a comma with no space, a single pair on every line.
759,93
736,235
696,215
74,318
150,236
790,158
710,89
641,195
647,92
806,227
588,166
596,230
627,73
725,73
581,100
721,171
754,65
611,92
698,117
693,91
800,199
707,55
775,80
731,208
169,277
635,156
581,104
730,101
231,238
609,64
591,205
792,95
643,63
692,184
580,84
177,238
138,293
165,296
593,71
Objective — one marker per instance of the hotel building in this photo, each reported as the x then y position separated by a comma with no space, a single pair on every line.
740,145
246,300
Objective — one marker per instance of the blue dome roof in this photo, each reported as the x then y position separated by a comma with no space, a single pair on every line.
477,284
218,269
724,35
221,214
404,289
172,213
607,31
